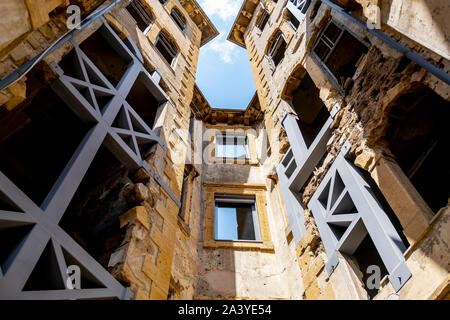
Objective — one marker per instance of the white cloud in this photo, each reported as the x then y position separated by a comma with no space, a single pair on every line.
225,9
226,50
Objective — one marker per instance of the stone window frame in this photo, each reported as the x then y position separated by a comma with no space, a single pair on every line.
288,16
171,45
259,191
322,64
224,198
45,218
262,19
186,198
225,137
139,6
251,138
179,19
273,46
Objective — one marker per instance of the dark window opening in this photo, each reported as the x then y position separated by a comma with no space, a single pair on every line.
277,49
184,191
141,14
92,217
179,19
418,136
310,109
171,294
37,140
367,255
315,9
106,59
386,208
268,147
236,218
191,125
262,20
340,51
166,47
293,21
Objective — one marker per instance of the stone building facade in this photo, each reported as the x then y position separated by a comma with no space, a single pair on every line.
354,86
119,180
92,164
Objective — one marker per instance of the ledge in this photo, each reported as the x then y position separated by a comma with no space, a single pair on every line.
235,161
235,185
243,245
184,227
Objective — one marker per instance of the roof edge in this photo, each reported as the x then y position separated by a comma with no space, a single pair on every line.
247,4
197,9
205,112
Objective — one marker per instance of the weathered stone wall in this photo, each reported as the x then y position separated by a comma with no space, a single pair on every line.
237,272
189,230
162,254
380,79
144,258
173,124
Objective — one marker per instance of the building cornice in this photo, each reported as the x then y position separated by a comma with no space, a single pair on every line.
203,111
242,22
196,13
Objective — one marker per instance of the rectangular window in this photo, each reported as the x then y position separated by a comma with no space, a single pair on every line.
236,218
262,19
191,125
230,145
277,49
166,47
293,21
178,18
340,51
184,191
141,14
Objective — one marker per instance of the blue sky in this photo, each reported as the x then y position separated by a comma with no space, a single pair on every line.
224,74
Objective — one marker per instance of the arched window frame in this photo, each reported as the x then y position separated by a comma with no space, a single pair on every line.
263,19
140,11
274,45
169,45
179,18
